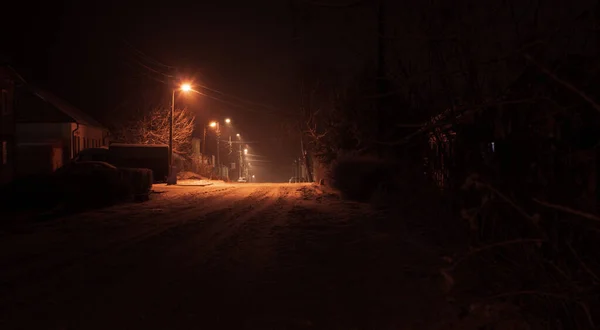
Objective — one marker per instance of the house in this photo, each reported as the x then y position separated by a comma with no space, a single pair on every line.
49,131
7,125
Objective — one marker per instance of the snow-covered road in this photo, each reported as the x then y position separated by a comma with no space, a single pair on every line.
224,256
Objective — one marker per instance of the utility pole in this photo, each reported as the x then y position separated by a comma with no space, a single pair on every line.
204,143
240,165
172,179
218,149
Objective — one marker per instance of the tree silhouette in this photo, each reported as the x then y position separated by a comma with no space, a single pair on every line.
153,128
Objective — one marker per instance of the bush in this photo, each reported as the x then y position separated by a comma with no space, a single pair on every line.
80,190
368,178
137,182
358,177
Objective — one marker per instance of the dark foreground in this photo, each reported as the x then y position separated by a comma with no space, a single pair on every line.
245,256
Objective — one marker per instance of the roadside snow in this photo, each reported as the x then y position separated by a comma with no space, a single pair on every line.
187,175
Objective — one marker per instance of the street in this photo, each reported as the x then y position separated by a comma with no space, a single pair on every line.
225,256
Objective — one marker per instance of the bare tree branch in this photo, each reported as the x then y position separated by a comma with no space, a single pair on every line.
153,128
563,82
568,210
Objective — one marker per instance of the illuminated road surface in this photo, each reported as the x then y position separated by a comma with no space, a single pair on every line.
228,256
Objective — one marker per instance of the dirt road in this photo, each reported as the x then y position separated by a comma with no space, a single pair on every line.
239,256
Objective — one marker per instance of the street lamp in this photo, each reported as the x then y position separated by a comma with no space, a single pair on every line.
172,179
186,87
228,121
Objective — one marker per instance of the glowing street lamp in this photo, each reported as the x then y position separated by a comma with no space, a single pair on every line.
245,151
186,87
227,120
213,124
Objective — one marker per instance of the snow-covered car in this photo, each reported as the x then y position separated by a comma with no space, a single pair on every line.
88,182
242,180
101,181
85,167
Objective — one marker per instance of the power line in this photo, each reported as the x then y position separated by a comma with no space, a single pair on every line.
238,105
148,75
148,58
270,109
238,98
151,69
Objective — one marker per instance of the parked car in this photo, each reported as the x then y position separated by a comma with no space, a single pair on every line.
101,182
89,182
242,180
151,156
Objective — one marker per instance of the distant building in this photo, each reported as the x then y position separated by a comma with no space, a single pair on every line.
47,131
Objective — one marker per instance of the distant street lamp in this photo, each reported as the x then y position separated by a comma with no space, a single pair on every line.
217,127
172,179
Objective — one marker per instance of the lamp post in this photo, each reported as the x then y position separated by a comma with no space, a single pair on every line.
240,161
246,165
172,179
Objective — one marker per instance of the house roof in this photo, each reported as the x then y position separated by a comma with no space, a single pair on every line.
77,115
72,112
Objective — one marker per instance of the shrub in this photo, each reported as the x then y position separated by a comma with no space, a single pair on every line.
137,182
358,177
90,188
